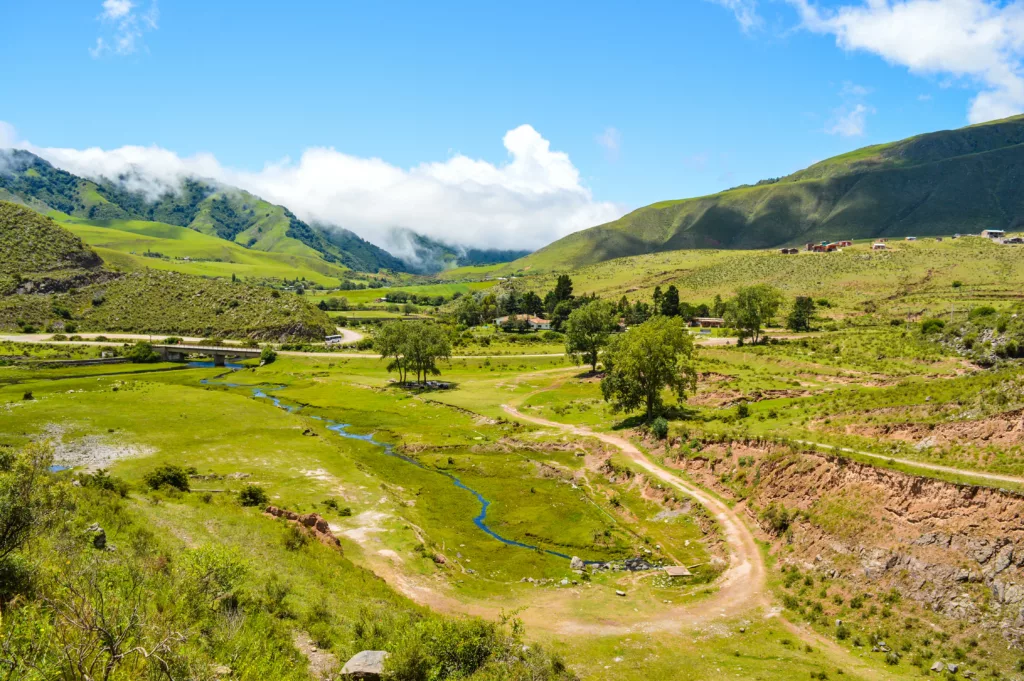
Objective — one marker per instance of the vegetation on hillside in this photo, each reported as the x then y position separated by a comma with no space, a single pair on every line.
35,247
935,184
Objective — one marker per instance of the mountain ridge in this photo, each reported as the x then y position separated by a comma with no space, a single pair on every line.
938,183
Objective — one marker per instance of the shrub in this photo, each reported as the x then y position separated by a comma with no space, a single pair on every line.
777,518
143,353
932,326
660,428
295,538
982,311
267,355
101,479
169,475
253,495
742,410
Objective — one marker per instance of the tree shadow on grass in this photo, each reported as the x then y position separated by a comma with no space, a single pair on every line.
677,412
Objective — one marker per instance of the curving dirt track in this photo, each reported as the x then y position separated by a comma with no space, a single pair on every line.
742,585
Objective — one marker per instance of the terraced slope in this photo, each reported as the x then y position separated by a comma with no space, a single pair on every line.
939,183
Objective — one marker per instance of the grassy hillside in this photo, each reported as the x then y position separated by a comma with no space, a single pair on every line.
911,276
224,212
933,184
139,244
53,280
33,244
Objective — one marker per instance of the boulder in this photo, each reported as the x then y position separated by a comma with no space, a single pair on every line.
620,593
952,668
368,664
322,526
938,667
99,537
576,563
308,520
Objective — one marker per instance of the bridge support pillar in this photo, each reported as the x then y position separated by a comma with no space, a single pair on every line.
218,360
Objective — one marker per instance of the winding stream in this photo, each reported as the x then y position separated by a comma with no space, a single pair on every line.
261,392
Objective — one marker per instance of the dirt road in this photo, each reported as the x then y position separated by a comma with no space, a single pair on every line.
996,477
742,586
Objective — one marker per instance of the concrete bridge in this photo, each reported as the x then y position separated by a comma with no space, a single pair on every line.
219,353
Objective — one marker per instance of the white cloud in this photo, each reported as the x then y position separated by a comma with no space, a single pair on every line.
745,11
116,9
924,98
611,140
982,40
529,200
125,26
849,120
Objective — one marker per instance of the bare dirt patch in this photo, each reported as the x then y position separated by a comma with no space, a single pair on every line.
90,452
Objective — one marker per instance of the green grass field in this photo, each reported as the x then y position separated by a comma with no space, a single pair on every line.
123,243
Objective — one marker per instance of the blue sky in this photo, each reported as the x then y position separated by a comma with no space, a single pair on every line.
649,100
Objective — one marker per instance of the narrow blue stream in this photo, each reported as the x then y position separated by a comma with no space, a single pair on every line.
340,429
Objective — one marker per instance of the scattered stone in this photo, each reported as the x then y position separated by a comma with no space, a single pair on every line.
952,668
310,432
221,670
368,664
620,593
99,537
938,667
743,630
238,476
564,582
576,563
439,559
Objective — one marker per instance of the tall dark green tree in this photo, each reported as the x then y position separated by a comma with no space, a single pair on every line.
563,288
657,298
587,331
802,314
670,303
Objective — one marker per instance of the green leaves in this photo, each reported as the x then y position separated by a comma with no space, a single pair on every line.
587,331
644,361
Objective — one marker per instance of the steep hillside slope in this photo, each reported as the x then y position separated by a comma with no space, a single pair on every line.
225,212
939,183
50,279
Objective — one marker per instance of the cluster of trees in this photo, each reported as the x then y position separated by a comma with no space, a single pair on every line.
666,304
415,299
413,347
556,305
336,304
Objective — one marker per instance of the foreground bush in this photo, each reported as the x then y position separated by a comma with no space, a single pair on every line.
170,475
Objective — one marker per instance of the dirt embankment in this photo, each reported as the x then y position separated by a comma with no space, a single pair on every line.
958,549
1002,430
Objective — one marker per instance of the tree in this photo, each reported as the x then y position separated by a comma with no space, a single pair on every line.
587,331
563,288
143,353
467,311
30,498
802,314
752,308
413,346
425,343
657,298
532,303
670,303
560,314
267,355
644,361
390,343
718,308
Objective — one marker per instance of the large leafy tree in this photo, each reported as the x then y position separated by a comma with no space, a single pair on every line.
641,363
413,346
587,331
752,309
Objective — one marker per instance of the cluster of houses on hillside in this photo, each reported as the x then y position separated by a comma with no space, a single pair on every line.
533,323
997,235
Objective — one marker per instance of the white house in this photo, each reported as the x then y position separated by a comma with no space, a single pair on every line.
993,233
534,323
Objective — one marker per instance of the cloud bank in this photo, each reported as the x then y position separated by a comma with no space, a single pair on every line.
531,199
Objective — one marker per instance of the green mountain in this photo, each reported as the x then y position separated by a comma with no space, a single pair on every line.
938,183
429,256
227,213
49,279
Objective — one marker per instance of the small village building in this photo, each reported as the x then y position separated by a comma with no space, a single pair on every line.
845,244
911,238
878,246
708,322
789,251
533,323
993,233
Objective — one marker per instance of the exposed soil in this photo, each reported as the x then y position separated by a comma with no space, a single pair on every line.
1003,430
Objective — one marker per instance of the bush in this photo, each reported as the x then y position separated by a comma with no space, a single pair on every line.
932,326
267,355
742,410
295,538
169,475
143,353
253,495
104,481
660,428
777,518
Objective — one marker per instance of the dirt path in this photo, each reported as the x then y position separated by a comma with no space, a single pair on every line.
742,586
348,336
920,464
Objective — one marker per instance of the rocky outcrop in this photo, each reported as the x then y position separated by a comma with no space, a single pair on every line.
368,664
311,523
959,549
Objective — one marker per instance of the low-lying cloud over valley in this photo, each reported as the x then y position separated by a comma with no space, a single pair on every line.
531,199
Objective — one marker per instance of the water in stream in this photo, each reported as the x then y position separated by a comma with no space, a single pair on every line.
261,392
